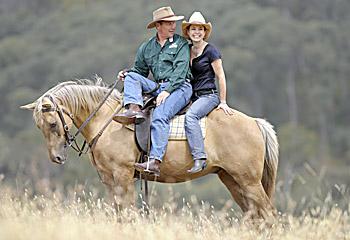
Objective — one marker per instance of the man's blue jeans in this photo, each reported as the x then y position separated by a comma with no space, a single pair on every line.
134,85
200,108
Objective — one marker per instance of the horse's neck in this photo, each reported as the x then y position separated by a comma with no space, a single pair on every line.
96,123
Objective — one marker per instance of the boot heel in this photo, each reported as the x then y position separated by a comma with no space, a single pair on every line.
204,165
199,165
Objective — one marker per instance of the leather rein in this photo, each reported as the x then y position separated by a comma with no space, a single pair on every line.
71,139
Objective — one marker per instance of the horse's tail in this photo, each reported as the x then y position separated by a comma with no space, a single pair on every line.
271,156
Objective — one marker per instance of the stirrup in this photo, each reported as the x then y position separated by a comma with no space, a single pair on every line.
149,172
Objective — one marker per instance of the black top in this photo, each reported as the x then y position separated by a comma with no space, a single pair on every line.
202,71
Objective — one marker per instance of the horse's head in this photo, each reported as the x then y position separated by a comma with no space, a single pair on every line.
54,110
54,122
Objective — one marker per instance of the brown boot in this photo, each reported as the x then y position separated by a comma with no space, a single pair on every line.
152,168
132,115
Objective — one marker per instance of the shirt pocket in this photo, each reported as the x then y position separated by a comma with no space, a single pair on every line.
169,56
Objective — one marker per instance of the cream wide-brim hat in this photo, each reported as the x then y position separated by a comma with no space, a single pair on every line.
163,14
196,19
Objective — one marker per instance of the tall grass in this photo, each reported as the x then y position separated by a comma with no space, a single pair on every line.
84,215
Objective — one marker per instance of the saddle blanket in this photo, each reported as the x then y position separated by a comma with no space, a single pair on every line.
177,128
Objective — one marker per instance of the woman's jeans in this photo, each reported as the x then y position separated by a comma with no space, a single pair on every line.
134,85
200,108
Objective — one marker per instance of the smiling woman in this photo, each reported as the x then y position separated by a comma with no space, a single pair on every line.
206,66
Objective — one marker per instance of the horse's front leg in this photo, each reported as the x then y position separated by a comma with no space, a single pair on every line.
123,188
120,185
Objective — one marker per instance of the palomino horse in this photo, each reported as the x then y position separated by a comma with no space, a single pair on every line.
242,151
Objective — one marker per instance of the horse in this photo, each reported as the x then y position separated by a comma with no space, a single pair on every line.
242,151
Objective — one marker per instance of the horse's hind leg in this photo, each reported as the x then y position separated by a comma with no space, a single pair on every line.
258,202
233,187
250,197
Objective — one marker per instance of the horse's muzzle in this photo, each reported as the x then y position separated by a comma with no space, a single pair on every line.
59,160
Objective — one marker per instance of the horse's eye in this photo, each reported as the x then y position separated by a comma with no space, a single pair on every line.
53,125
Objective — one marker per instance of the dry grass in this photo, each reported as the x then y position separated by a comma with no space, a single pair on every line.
84,216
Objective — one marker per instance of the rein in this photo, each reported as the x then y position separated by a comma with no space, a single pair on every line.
70,138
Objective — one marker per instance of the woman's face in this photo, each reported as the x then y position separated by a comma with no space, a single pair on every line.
196,33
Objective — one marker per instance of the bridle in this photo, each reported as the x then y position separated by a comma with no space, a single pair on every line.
71,139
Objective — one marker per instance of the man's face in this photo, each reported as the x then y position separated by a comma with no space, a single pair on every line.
166,29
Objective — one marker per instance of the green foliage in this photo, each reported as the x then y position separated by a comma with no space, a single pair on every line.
299,144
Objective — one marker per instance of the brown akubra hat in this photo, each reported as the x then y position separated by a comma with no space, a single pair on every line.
163,14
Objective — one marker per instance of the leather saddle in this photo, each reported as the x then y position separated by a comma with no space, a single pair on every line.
142,130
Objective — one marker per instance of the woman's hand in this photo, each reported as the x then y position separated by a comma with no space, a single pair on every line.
225,108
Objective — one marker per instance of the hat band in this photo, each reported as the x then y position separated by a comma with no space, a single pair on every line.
197,23
159,19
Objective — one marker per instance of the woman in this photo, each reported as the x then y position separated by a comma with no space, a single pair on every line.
206,66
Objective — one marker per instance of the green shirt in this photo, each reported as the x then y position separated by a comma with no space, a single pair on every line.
170,62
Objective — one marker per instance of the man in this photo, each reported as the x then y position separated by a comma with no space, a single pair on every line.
167,57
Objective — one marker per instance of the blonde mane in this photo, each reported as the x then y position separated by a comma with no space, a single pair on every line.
78,94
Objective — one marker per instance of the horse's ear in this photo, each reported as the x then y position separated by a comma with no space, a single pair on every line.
29,106
46,104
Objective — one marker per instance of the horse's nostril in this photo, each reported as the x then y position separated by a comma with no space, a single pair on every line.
59,160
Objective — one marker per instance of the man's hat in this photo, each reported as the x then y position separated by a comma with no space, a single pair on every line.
196,19
163,14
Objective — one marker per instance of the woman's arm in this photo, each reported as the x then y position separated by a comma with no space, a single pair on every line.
220,75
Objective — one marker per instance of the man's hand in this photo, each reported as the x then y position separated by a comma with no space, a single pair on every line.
122,74
161,97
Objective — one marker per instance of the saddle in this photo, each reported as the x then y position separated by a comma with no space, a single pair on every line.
142,130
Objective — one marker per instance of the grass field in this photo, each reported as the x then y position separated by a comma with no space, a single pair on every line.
85,216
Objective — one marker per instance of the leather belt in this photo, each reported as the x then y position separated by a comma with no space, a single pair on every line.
167,80
163,80
202,92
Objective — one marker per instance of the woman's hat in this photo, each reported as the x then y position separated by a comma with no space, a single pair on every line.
196,19
163,14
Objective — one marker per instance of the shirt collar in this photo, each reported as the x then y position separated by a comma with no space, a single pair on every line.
169,39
